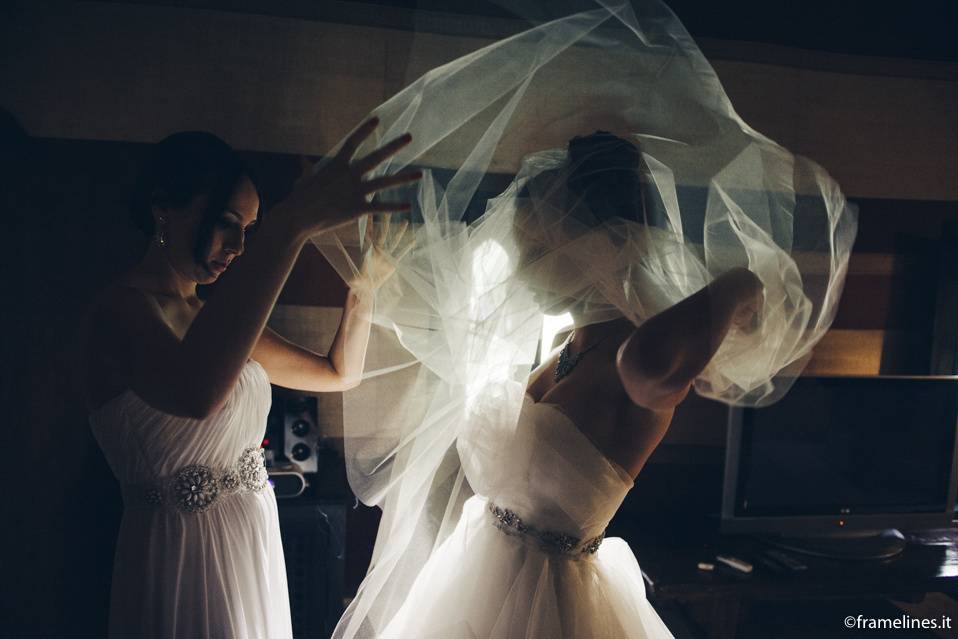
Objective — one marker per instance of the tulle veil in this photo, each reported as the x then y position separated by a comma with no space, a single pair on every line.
500,237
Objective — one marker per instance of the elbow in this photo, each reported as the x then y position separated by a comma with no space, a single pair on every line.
642,358
640,367
657,397
650,381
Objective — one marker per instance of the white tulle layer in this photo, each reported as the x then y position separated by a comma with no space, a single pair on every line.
484,583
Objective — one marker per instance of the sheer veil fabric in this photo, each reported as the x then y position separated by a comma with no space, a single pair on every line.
503,233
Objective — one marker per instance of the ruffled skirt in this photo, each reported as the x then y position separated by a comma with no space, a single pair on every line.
482,583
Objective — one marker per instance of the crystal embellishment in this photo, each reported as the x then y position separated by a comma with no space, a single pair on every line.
230,481
195,488
252,472
551,542
153,496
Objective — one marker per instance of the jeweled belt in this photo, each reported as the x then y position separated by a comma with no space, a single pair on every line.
196,488
551,542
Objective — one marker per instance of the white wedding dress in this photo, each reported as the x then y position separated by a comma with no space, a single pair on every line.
527,559
496,541
199,553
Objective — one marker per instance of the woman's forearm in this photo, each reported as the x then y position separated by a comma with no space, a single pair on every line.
669,350
347,355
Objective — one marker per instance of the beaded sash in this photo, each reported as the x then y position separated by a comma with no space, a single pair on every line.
195,488
550,542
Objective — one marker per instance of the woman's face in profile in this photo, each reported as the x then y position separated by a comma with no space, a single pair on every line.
227,239
541,262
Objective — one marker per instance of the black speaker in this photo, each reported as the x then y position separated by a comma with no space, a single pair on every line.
313,535
293,434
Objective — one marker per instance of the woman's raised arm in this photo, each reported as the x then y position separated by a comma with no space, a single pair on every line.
659,361
293,366
194,376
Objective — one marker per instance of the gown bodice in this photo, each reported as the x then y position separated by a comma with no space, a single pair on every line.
142,443
545,470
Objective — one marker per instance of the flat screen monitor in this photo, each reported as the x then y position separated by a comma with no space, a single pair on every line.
843,454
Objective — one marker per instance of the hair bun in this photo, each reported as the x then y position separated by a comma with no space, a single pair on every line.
600,156
611,163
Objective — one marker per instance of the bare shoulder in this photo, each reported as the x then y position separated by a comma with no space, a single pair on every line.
120,308
115,325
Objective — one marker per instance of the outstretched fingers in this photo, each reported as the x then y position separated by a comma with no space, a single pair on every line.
380,238
389,181
377,157
397,236
357,137
369,235
399,256
378,184
386,207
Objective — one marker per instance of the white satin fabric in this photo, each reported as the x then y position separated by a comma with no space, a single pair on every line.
485,582
217,574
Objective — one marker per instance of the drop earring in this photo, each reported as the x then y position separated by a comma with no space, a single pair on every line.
161,232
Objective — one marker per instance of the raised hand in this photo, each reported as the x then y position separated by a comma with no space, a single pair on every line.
338,193
380,257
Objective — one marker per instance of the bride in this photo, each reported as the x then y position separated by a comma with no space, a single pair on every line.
528,557
179,388
689,250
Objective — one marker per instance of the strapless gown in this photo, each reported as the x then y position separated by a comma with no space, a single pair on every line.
527,559
199,553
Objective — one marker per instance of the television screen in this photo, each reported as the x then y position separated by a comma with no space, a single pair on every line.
848,446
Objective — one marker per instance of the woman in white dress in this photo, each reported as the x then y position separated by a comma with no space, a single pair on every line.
711,258
528,557
179,389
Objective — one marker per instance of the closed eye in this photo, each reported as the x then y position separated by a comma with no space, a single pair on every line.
226,223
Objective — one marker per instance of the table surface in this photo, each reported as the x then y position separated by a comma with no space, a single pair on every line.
669,560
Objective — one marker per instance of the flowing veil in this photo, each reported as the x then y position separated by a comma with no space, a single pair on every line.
503,233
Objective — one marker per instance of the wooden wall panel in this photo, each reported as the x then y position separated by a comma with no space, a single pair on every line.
99,71
135,72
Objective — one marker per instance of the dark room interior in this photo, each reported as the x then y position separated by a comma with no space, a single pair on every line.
868,90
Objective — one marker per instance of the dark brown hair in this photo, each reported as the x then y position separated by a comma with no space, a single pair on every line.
184,166
604,170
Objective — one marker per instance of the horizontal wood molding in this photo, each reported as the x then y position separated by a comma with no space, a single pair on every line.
132,72
870,352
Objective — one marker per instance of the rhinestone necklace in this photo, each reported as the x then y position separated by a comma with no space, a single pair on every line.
567,361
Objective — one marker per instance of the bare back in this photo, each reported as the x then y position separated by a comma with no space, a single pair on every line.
594,399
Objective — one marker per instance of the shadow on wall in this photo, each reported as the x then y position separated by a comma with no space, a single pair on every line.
66,235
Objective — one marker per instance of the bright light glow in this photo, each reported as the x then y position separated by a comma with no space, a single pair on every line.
488,364
489,269
552,325
490,265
